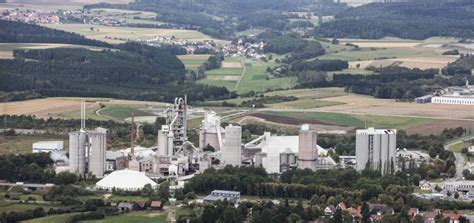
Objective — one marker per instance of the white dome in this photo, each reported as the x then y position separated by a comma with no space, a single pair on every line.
128,180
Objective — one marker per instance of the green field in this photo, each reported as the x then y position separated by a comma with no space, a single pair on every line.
8,207
193,61
22,144
118,112
307,98
119,198
254,77
135,217
358,121
52,219
368,54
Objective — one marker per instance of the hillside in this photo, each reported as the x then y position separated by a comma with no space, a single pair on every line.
404,20
18,32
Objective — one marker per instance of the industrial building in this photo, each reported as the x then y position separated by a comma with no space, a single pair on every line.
231,153
220,195
87,150
211,132
277,154
463,95
125,180
47,146
376,149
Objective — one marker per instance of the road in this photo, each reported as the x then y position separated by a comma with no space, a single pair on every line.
459,162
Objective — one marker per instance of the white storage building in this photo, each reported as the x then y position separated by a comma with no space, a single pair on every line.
126,180
47,146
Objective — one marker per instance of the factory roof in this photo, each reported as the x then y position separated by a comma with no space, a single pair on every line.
372,130
128,180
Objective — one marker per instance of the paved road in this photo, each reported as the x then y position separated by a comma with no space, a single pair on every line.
459,159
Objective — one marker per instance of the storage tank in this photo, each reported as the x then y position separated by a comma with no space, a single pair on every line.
97,151
77,152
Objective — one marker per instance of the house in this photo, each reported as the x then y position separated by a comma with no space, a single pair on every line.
429,216
156,205
424,185
355,212
329,210
125,206
231,196
380,209
412,213
452,217
140,205
470,149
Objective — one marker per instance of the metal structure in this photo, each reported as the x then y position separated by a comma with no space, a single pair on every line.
176,121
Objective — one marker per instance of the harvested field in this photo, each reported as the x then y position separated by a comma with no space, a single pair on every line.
121,34
224,78
231,65
69,107
436,62
439,126
361,104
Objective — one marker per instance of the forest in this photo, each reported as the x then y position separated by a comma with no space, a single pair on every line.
411,21
135,72
221,19
18,32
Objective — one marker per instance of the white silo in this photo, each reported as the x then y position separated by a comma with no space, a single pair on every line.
232,149
77,152
97,151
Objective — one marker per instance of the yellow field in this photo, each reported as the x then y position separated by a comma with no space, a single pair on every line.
114,34
436,62
231,65
57,107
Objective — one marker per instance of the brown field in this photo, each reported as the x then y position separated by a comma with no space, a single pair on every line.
287,122
436,62
360,104
231,65
53,107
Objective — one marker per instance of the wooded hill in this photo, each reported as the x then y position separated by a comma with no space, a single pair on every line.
18,32
404,20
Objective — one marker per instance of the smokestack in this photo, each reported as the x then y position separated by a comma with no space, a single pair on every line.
132,137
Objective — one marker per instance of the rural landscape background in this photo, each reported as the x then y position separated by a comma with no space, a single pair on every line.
266,65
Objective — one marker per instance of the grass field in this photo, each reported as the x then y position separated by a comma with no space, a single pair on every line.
135,217
254,77
8,207
358,121
129,33
193,61
456,148
307,98
22,144
118,198
52,219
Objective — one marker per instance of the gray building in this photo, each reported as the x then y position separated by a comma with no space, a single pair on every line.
376,149
87,150
232,150
307,151
220,195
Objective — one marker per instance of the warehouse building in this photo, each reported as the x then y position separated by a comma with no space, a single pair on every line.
47,146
